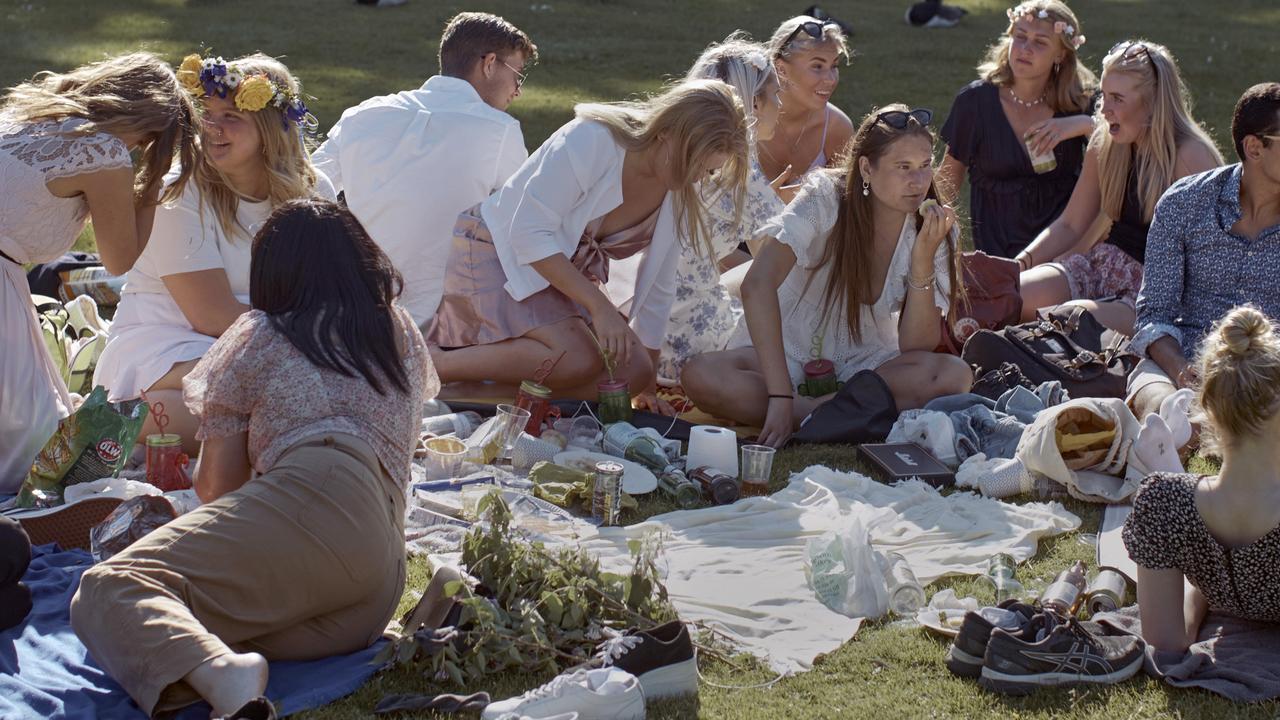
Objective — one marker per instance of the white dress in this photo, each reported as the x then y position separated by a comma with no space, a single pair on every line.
704,315
36,227
805,226
150,334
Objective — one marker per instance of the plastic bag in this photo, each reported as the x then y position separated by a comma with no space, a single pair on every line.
842,570
131,520
90,444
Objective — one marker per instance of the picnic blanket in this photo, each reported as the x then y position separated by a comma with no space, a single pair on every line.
45,671
1234,658
740,568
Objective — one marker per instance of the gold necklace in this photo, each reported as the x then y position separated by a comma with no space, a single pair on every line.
795,144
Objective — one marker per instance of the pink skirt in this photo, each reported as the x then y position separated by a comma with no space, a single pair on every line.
1105,271
476,309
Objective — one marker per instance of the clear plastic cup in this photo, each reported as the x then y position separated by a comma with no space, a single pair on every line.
755,468
511,421
1042,163
444,457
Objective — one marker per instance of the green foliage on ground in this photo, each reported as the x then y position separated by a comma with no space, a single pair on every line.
612,49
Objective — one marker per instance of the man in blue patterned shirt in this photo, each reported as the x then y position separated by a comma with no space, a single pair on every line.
1214,244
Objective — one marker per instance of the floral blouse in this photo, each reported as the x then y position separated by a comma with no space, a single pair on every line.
253,379
704,316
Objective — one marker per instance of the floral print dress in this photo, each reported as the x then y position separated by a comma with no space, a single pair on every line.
704,315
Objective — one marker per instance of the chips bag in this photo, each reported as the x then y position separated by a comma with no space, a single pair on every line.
92,443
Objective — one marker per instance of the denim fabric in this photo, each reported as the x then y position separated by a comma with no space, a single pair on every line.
994,427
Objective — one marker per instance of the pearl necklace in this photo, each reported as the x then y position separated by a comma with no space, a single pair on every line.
1024,103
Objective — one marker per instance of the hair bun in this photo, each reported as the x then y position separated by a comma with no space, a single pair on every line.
1242,328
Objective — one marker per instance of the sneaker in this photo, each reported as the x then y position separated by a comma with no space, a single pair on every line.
1057,653
67,525
964,656
661,659
601,694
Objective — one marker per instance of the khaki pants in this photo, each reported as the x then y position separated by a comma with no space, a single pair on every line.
303,562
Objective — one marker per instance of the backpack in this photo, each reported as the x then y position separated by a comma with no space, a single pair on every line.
1066,344
75,335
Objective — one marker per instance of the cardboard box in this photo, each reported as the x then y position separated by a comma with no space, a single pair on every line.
905,461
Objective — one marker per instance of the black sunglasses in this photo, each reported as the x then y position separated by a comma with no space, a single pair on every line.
1124,46
899,119
811,28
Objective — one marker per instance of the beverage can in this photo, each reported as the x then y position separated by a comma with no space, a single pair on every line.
606,497
1107,592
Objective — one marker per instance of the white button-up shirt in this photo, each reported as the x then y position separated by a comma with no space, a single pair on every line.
409,163
574,178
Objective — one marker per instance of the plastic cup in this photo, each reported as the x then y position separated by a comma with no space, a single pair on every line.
444,457
1043,162
471,496
756,467
511,421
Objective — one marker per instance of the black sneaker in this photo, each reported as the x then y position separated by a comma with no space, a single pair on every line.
997,381
1054,652
964,656
661,659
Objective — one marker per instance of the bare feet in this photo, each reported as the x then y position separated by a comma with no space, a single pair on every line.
228,682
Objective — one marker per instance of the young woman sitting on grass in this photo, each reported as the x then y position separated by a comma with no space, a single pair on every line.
857,270
192,281
319,390
65,145
1213,543
526,276
1145,141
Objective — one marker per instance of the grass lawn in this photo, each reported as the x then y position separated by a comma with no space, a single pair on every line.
611,49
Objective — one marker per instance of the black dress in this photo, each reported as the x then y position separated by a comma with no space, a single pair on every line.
1009,204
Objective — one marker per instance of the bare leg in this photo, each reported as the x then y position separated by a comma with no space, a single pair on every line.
1117,316
168,390
915,378
512,361
1042,286
229,681
729,384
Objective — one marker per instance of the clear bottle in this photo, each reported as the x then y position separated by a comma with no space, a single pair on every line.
1067,592
906,594
1002,571
461,424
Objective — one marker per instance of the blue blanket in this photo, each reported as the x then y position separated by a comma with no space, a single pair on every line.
45,671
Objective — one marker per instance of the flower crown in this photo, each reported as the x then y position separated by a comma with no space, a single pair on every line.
213,76
1065,29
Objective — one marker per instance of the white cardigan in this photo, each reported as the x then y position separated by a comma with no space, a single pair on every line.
543,209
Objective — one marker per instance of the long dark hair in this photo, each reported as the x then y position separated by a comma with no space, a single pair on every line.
328,288
850,250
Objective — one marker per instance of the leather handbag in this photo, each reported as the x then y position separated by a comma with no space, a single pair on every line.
1066,344
994,299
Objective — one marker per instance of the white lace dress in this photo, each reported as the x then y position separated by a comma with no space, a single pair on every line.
36,227
704,315
805,226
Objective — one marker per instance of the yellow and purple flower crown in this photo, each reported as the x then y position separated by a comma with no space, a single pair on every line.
213,76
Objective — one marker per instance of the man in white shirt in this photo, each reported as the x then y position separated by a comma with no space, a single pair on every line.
408,163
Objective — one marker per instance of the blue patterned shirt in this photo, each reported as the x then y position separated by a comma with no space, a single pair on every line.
1196,268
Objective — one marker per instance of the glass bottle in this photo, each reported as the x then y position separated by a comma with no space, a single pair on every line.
718,487
624,440
906,594
1066,593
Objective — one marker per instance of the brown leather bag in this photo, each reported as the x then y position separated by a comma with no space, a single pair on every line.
1066,344
994,299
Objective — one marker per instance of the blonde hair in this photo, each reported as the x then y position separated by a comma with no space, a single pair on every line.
780,48
1239,366
135,94
1161,88
1071,84
702,118
290,174
743,65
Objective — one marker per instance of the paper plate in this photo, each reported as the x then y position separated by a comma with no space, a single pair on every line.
932,620
636,478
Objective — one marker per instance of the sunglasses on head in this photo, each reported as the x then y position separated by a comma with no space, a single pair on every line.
899,119
1124,46
812,28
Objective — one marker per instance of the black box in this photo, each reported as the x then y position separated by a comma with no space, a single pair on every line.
903,461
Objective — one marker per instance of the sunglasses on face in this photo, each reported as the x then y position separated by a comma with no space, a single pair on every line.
811,28
899,119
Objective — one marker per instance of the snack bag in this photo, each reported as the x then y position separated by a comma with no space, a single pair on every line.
92,443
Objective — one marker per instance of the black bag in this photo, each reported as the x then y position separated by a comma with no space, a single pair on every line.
45,279
862,411
1066,344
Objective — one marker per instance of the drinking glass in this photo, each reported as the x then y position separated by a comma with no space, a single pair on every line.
756,466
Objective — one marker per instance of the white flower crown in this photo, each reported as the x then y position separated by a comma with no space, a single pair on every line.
1065,29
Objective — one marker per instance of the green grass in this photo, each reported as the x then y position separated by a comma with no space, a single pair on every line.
610,49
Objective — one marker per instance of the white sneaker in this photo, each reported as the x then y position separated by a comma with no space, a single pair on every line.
602,694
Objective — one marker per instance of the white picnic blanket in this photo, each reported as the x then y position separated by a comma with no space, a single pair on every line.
740,567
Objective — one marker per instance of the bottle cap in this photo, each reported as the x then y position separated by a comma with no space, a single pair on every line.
612,386
529,387
819,368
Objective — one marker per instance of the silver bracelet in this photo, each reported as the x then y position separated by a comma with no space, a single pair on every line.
925,285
